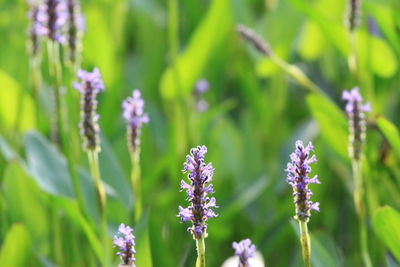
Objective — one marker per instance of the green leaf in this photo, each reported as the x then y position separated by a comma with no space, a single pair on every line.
47,166
211,34
375,53
385,222
391,133
24,200
245,196
312,41
143,247
16,107
49,169
332,122
17,247
113,175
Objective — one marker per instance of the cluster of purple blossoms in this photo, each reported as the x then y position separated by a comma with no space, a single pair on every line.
125,241
135,117
200,175
200,88
357,125
297,176
89,86
52,18
35,27
244,250
75,29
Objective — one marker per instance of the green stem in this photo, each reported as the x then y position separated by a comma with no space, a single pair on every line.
297,74
36,81
61,127
136,183
305,243
353,60
101,200
56,73
361,211
201,253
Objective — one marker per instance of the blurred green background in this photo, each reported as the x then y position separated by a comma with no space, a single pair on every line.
256,112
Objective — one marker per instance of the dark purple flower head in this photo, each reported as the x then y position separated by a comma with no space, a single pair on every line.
254,39
35,27
89,86
53,16
200,176
298,170
125,241
353,16
244,250
75,30
135,118
357,125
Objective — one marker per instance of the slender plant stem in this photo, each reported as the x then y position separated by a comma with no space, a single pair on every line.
101,200
305,243
201,253
36,81
136,183
353,58
61,127
361,211
297,74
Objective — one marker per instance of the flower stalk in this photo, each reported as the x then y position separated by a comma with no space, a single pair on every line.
297,177
201,252
200,208
133,113
305,243
89,86
262,47
357,133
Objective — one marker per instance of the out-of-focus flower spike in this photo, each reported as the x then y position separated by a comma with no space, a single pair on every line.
357,125
245,250
125,241
133,112
254,39
89,86
75,31
53,16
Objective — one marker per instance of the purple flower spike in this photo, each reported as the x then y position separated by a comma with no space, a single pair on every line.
89,86
125,241
244,250
53,16
135,118
297,176
200,175
75,30
357,125
35,27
